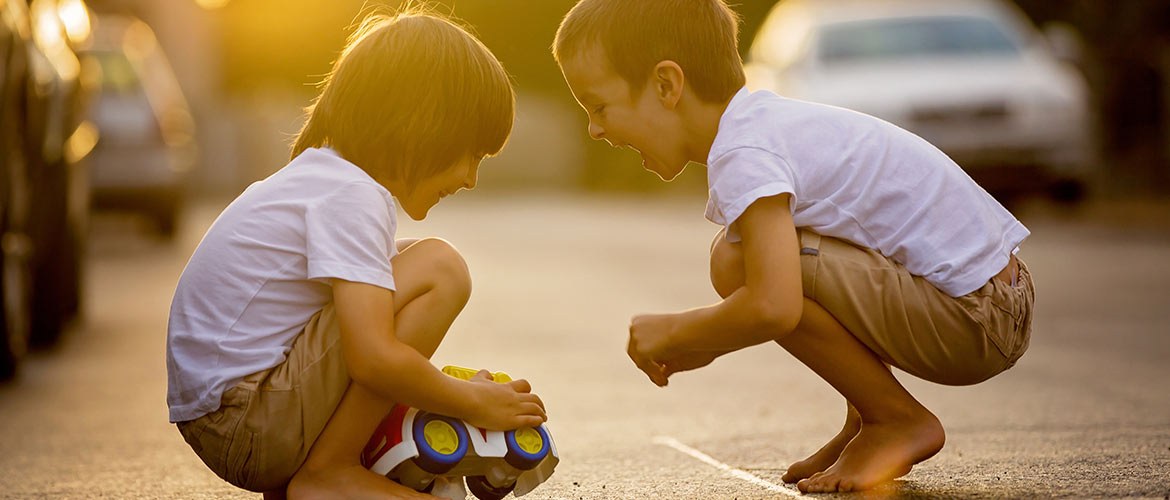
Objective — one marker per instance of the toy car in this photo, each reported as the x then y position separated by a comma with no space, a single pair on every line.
436,453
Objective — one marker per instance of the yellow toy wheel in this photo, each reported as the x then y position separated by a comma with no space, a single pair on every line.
441,441
527,447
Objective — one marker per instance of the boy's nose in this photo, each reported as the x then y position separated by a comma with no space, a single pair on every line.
596,132
469,182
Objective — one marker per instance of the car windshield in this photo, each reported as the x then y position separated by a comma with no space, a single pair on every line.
865,41
118,75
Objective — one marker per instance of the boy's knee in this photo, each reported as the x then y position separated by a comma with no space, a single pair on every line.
447,266
726,266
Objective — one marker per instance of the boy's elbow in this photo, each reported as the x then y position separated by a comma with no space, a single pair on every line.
362,372
366,368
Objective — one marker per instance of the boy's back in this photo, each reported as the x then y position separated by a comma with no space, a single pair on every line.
863,180
252,284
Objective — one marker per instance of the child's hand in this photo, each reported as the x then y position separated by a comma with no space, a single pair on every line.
503,407
649,345
689,361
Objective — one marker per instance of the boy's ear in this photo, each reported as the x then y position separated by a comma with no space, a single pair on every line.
668,83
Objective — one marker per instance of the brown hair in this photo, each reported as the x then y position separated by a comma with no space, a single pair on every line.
700,35
411,94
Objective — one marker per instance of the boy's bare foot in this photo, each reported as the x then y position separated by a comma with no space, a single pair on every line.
879,452
353,482
828,453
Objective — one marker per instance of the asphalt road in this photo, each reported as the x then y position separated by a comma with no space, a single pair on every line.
1085,413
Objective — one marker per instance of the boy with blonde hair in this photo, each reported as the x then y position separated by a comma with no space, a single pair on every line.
852,243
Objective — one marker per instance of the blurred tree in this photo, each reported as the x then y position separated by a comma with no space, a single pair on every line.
1126,57
282,43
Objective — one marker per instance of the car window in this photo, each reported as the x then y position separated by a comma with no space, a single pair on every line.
118,75
913,37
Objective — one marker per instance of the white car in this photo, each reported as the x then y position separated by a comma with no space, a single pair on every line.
973,77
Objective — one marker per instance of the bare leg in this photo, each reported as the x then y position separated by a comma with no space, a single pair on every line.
726,277
895,432
433,286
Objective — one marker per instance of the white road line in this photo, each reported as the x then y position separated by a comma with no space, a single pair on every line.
737,473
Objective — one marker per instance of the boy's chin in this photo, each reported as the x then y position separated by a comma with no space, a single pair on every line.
417,213
667,174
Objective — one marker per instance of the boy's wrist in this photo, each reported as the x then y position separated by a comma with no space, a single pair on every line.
463,399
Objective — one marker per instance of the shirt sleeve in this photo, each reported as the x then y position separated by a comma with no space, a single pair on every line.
349,235
739,177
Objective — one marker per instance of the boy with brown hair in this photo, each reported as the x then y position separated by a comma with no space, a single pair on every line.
301,318
852,243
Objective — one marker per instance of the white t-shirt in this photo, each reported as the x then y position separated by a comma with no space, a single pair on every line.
863,180
262,271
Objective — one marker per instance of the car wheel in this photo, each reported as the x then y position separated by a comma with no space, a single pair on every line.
166,225
166,220
15,312
442,442
56,272
1068,191
483,490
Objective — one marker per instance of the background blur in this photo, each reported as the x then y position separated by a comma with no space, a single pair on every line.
248,66
129,124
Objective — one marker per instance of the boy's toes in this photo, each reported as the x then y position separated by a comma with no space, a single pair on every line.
797,471
819,483
845,485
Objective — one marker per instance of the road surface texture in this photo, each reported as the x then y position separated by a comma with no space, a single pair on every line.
1085,413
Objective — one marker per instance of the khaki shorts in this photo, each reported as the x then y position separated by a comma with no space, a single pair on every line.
912,325
265,425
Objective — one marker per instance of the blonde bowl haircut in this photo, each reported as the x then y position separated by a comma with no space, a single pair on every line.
701,36
411,94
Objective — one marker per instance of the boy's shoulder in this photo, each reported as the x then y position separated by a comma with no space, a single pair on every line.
316,176
754,120
768,121
764,110
321,168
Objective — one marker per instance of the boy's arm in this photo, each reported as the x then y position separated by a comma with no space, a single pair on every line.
768,306
380,362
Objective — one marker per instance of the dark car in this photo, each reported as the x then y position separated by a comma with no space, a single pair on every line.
43,190
147,134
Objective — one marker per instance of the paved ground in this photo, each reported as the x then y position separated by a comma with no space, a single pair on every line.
1086,413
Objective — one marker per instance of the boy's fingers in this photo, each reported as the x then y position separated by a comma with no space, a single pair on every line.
650,368
529,421
521,385
654,371
484,374
533,409
532,398
660,380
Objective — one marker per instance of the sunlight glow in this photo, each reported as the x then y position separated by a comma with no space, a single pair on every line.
75,17
49,35
82,142
212,4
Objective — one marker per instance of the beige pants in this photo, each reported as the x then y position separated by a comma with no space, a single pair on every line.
265,425
912,325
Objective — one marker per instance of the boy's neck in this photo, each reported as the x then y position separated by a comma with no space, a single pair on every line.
702,125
